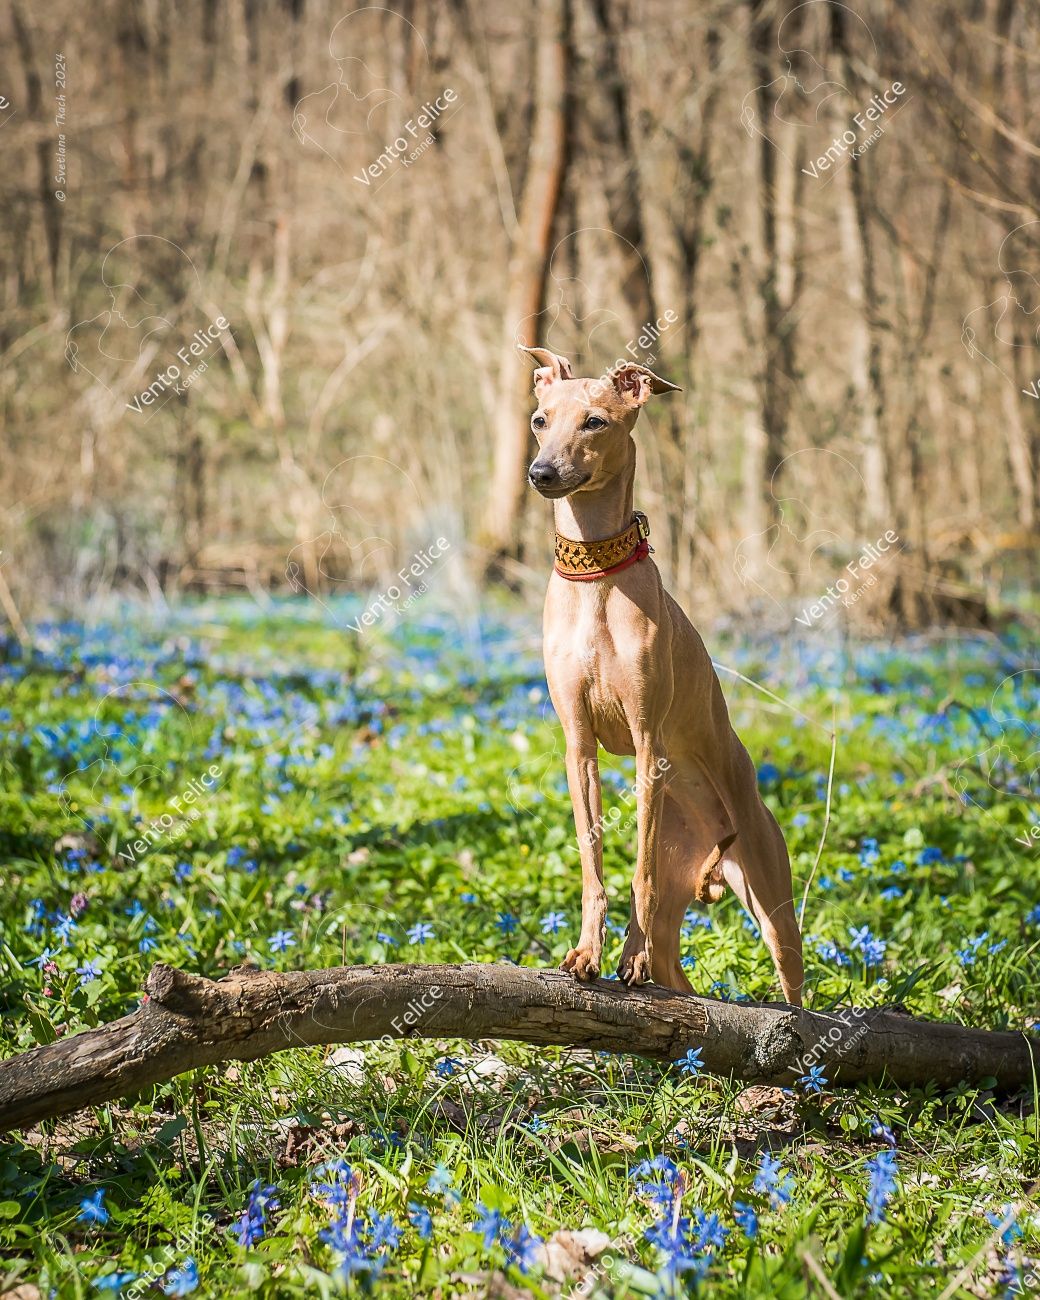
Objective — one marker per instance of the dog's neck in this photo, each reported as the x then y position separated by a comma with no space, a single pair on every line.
594,516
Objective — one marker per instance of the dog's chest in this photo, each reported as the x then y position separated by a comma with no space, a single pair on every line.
598,663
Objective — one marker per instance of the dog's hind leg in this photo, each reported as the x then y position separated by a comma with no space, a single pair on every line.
758,870
683,853
665,966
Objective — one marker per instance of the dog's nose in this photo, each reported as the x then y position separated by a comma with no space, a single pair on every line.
542,474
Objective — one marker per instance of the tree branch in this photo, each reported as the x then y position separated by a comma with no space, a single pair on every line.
189,1021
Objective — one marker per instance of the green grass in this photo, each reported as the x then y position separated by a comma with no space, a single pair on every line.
368,786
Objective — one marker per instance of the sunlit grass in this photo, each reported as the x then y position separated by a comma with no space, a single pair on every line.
402,798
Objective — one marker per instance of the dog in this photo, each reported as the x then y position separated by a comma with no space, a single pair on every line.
627,670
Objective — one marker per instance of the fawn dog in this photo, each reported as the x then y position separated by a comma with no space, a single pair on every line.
627,670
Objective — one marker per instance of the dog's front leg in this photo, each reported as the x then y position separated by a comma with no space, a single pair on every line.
583,782
651,765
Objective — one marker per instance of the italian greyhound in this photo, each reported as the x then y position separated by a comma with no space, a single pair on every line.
627,670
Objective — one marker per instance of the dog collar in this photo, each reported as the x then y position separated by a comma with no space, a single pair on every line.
586,561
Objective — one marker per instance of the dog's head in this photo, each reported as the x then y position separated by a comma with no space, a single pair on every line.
584,426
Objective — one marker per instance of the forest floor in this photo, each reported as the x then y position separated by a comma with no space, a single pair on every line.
218,786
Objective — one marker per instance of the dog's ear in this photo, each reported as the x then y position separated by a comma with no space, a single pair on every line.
552,367
634,384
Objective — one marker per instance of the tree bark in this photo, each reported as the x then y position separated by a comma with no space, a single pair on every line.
774,242
50,206
528,269
603,107
188,1021
865,359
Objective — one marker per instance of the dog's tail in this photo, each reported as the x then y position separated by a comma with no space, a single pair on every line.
710,885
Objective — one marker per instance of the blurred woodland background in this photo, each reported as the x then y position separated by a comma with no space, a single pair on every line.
821,220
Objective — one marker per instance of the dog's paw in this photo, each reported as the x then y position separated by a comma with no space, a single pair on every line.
581,963
634,968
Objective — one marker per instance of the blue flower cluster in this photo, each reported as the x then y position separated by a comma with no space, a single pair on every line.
883,1184
520,1245
689,1243
360,1245
252,1225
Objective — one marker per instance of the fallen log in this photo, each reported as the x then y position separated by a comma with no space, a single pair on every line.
188,1021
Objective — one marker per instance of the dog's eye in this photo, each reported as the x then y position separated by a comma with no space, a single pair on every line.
538,422
594,422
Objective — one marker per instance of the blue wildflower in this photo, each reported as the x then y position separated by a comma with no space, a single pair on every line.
114,1281
281,940
419,932
711,1235
383,1234
421,1220
361,1248
252,1224
815,1080
746,1219
521,1248
882,1170
553,922
697,920
92,1209
661,1189
492,1225
831,952
967,955
671,1236
182,1281
1011,1278
64,926
691,1063
768,1181
870,947
882,1132
1007,1223
507,922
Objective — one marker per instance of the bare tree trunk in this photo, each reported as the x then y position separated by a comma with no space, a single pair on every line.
50,206
1024,469
604,111
189,1021
775,255
688,221
528,270
861,281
